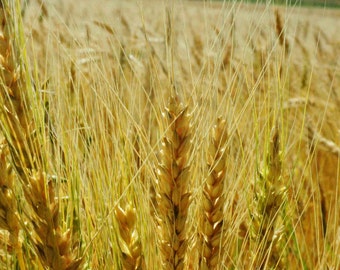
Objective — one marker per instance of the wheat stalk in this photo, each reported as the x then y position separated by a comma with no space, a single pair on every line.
267,233
212,223
173,198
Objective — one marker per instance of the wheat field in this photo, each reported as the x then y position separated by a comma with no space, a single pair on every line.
169,135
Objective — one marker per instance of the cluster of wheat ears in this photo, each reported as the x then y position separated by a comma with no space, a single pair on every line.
202,138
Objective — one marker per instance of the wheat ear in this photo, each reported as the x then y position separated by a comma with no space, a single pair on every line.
12,98
317,139
52,246
9,79
129,243
173,198
270,196
8,207
211,228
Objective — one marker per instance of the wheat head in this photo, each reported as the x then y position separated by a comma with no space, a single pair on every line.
173,197
129,243
267,233
212,223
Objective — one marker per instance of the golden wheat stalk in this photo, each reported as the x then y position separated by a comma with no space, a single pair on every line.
130,245
280,31
267,233
52,246
173,198
212,223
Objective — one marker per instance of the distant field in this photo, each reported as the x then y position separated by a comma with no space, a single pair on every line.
317,3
